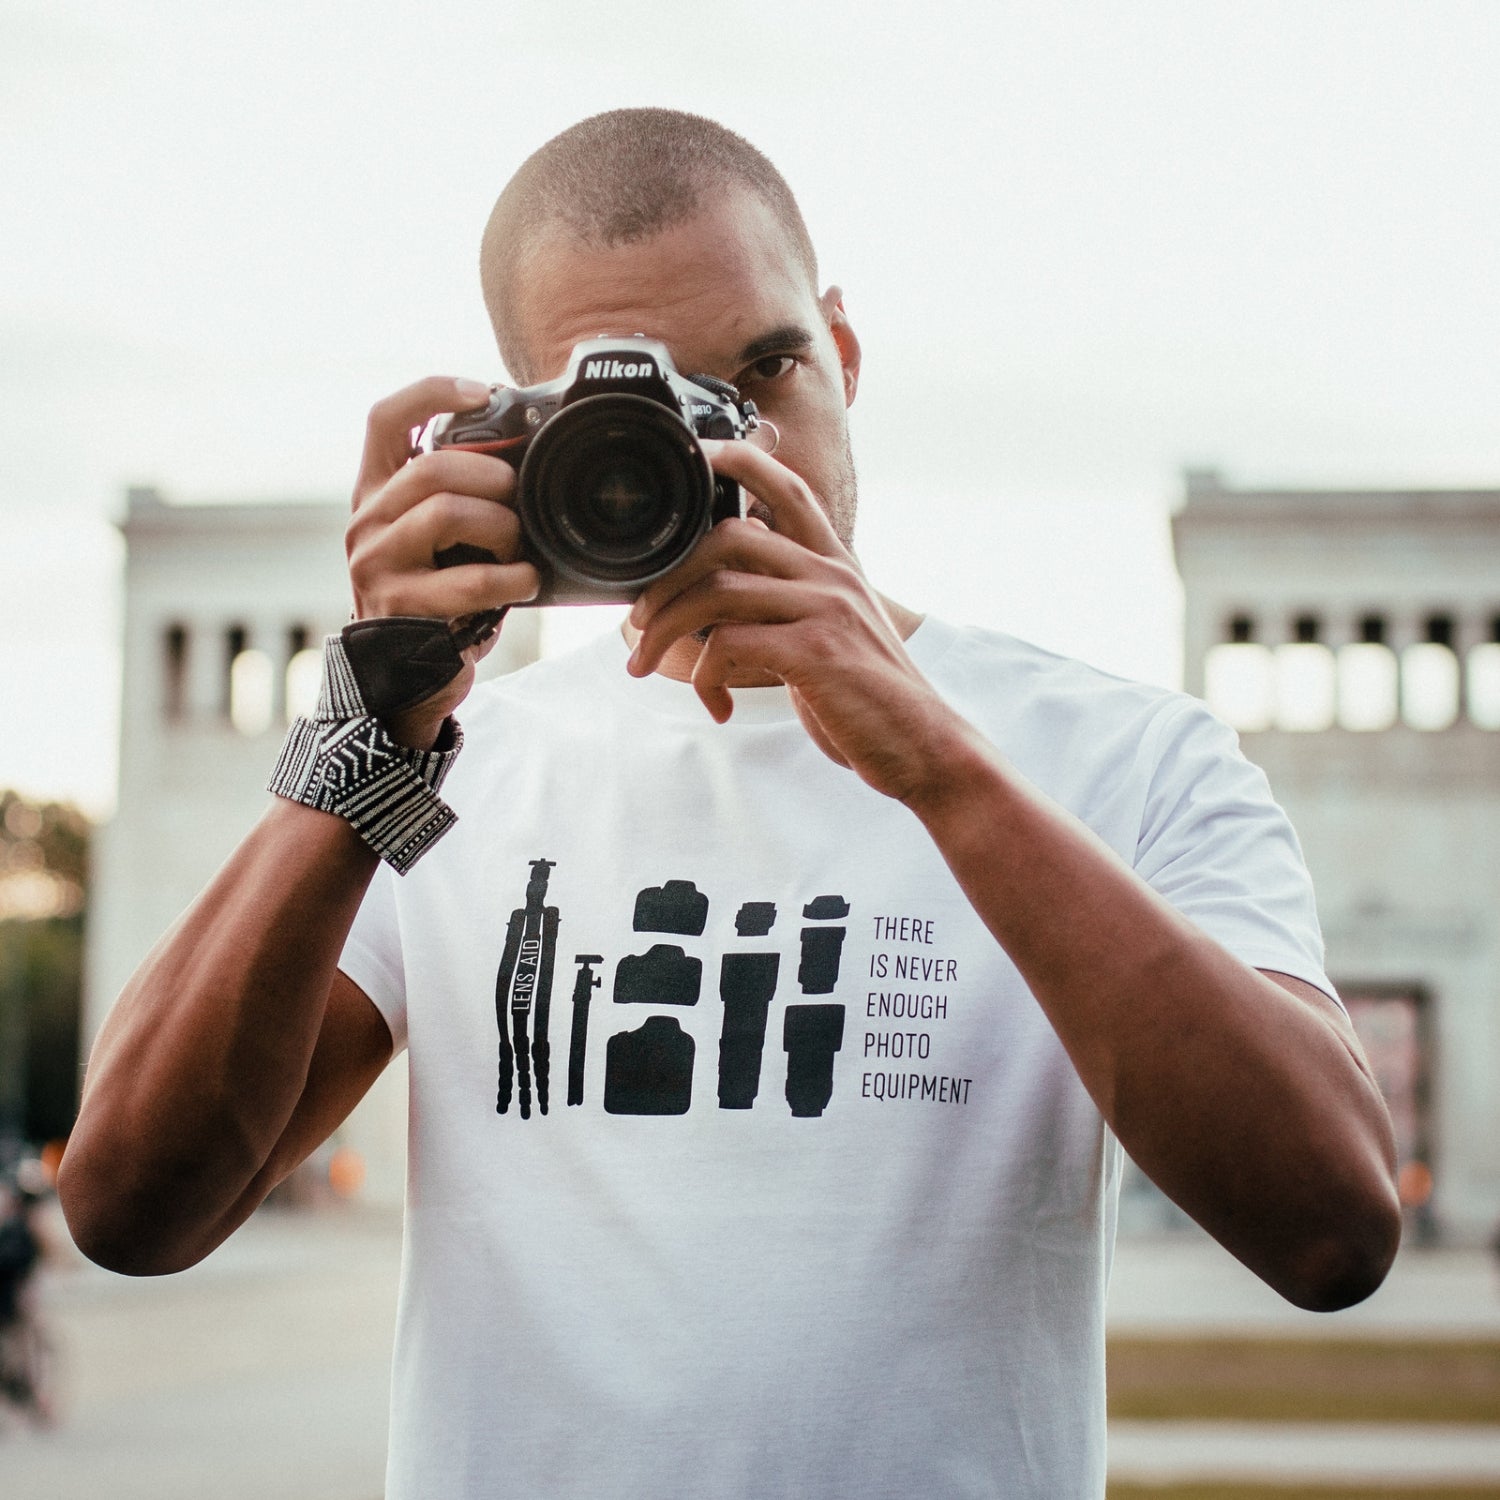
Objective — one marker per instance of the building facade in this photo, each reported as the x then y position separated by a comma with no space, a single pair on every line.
226,607
1353,638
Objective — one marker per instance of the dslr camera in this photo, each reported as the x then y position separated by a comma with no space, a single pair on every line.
613,488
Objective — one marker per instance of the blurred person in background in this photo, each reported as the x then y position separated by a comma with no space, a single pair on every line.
26,1362
1001,914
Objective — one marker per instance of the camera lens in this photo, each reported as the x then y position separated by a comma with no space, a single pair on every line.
620,501
615,491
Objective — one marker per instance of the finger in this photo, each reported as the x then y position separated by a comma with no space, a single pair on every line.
721,598
718,663
415,538
793,506
449,593
389,428
451,470
734,650
733,545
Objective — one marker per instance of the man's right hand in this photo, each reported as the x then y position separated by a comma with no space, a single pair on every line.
407,509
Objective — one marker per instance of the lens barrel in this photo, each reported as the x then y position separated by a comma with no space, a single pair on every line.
615,491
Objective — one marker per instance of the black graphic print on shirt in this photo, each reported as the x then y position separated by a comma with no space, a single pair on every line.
523,995
650,1071
826,909
811,1034
755,918
677,906
892,1014
578,1044
822,947
664,976
747,982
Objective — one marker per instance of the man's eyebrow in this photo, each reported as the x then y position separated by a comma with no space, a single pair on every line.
788,338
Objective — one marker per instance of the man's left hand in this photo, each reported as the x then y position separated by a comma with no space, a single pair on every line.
791,604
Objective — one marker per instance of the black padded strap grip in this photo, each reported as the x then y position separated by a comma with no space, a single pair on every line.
401,660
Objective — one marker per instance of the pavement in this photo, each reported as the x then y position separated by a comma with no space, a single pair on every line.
262,1373
1182,1283
1341,1454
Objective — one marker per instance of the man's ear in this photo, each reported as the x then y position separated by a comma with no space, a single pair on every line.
844,339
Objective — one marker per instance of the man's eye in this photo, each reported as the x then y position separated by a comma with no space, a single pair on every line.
772,367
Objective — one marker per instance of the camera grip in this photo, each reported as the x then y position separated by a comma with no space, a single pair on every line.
463,552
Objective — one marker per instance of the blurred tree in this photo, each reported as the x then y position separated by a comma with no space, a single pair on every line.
43,892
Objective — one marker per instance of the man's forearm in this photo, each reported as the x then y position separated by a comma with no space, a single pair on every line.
203,1060
1242,1101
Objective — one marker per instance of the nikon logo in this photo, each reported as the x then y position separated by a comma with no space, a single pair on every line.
617,369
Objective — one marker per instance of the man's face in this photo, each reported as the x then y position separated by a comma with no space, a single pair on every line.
727,295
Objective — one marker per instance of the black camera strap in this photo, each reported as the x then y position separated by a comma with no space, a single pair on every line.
401,660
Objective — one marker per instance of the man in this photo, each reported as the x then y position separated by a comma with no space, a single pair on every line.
937,916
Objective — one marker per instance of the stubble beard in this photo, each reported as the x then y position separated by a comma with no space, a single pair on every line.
842,504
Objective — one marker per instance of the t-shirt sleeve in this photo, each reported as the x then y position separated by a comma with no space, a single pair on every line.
372,953
1214,842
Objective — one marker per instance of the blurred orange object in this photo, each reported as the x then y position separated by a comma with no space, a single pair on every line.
346,1172
52,1154
1414,1184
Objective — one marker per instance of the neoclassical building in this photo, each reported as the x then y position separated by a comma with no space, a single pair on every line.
1353,638
226,607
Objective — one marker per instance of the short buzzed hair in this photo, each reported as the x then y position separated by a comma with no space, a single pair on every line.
615,178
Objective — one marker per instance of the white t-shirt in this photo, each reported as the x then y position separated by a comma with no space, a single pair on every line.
834,1214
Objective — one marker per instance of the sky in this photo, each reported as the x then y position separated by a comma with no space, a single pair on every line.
1085,245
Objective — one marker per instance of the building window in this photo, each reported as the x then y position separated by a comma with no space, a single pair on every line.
299,686
1429,678
236,639
1305,679
1237,677
304,670
1367,686
1439,630
1483,685
248,683
1367,678
174,673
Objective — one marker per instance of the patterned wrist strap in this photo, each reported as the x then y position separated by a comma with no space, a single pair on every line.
342,761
